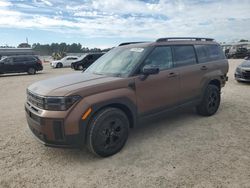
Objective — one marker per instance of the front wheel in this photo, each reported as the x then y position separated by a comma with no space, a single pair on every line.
79,67
59,65
108,132
210,102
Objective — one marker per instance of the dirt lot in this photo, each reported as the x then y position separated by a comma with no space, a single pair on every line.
180,150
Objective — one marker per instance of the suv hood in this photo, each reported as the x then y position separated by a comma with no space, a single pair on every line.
63,85
246,64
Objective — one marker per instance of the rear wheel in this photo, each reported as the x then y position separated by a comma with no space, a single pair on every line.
108,132
59,65
210,102
31,70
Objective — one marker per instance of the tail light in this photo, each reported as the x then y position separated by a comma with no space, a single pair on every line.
39,61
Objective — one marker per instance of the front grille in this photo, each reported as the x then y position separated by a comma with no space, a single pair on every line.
33,116
246,74
36,100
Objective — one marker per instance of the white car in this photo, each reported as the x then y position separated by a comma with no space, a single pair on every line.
64,62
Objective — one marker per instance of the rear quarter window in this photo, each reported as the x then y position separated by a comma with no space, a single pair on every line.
206,53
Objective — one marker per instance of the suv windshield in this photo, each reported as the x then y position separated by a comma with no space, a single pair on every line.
119,61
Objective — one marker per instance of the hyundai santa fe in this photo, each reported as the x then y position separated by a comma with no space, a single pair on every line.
98,107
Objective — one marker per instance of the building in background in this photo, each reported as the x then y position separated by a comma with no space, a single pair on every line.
16,51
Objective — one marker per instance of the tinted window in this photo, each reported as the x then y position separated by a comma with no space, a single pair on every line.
207,53
8,61
96,56
90,57
160,57
71,58
202,53
184,55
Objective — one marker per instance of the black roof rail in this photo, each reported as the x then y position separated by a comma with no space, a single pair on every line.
184,38
127,43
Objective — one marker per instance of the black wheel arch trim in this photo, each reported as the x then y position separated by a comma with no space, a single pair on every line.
123,103
208,82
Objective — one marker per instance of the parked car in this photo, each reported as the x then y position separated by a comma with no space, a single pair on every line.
21,63
64,62
242,72
247,58
239,53
126,85
85,61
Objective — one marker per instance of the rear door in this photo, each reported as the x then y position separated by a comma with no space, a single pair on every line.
211,59
20,64
159,91
190,72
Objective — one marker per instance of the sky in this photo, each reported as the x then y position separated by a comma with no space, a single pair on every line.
106,23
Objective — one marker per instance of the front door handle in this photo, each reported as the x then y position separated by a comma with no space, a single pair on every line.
204,67
172,74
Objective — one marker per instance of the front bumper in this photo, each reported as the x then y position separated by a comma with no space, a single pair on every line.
53,65
51,131
243,76
239,78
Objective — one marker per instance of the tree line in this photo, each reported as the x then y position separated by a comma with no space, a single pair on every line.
49,49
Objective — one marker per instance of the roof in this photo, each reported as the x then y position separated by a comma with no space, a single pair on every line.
171,41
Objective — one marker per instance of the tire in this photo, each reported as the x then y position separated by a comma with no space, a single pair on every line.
59,65
108,132
79,67
31,70
210,102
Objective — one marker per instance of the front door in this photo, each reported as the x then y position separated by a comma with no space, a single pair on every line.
161,90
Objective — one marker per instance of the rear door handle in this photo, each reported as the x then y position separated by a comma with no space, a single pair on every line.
204,67
172,74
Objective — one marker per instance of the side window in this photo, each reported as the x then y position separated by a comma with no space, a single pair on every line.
202,53
20,59
207,53
215,52
96,56
90,57
160,57
16,60
184,55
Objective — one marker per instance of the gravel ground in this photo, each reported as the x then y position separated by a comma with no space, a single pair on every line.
179,150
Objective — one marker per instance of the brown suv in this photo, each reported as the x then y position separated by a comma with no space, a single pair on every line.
127,84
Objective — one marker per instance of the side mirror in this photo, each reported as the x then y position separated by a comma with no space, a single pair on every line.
147,70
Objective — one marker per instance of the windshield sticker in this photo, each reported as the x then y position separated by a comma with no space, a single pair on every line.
136,50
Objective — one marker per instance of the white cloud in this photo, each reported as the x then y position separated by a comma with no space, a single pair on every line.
223,20
5,3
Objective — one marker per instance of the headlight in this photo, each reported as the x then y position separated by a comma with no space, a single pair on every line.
238,69
60,103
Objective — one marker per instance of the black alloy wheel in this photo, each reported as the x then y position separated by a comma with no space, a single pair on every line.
108,132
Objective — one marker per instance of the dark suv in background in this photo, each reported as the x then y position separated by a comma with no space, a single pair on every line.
85,61
126,85
21,63
239,53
